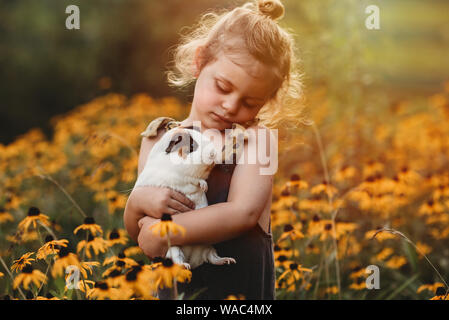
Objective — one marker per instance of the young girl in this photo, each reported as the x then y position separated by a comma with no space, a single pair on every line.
243,65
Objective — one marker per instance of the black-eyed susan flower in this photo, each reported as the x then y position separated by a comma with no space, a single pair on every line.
168,272
384,254
97,244
116,236
285,201
90,225
357,272
167,226
121,260
141,282
235,297
87,266
379,235
5,216
292,232
430,207
27,276
358,284
441,294
295,183
282,261
396,262
102,291
23,261
430,287
132,251
346,172
50,247
294,270
422,249
33,217
63,259
325,187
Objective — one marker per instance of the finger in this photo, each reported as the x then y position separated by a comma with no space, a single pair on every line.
183,199
172,211
177,206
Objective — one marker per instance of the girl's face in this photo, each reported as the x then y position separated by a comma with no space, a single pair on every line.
226,92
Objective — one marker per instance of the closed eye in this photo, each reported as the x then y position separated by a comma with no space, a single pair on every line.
220,88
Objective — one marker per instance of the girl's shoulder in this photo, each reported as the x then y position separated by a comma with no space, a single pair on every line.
165,123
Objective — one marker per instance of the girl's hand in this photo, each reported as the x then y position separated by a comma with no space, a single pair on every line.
151,245
155,201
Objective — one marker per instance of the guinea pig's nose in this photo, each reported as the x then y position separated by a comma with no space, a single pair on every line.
212,154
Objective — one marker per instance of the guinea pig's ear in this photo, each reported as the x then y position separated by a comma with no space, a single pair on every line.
182,142
234,143
193,128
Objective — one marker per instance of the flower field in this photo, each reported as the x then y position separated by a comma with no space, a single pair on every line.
372,190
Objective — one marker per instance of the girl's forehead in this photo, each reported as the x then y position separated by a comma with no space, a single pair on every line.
239,69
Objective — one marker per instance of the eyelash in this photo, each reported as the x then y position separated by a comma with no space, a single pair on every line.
224,91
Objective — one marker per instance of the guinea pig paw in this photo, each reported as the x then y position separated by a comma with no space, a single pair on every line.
186,265
203,185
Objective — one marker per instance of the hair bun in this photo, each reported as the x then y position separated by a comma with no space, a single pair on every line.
271,8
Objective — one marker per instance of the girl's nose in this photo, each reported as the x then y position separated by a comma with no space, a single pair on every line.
230,106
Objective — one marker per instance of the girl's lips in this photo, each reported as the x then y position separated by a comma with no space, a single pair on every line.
217,117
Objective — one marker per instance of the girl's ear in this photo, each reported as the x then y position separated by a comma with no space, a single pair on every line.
198,61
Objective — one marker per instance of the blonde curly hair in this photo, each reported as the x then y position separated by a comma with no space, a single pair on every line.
255,24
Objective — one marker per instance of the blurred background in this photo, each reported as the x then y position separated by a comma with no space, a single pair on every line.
122,47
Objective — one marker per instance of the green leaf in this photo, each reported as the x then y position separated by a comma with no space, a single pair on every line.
402,287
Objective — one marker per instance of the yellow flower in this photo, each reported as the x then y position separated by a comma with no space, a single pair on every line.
296,183
140,281
385,253
5,216
441,294
430,287
294,270
34,215
50,247
168,272
117,236
23,261
97,244
89,224
396,262
292,232
167,226
62,260
234,297
326,187
29,275
102,291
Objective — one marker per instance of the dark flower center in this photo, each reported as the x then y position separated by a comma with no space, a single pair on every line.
2,210
167,263
115,273
157,259
282,258
114,235
294,177
33,211
166,217
119,263
288,227
102,285
293,266
27,269
285,193
63,252
89,220
113,199
316,218
121,255
277,248
49,238
440,291
328,226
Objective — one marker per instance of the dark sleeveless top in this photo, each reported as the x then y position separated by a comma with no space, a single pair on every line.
253,276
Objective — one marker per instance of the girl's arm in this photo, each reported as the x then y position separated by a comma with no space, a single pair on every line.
249,193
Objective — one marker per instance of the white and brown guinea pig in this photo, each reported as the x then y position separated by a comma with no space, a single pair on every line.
182,160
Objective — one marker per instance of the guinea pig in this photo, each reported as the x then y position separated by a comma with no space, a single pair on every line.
182,160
